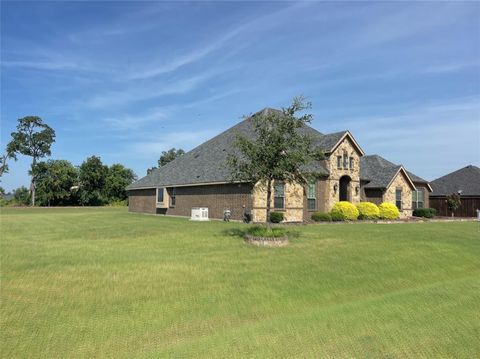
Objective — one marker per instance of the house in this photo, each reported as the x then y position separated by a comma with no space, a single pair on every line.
466,183
200,178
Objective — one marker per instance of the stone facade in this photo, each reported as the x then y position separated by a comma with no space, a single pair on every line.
293,209
400,182
333,195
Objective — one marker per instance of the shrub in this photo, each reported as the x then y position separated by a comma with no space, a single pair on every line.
321,217
118,203
337,217
368,210
276,217
425,212
388,211
264,231
346,210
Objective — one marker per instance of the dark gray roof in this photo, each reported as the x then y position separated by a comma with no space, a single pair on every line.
379,172
206,163
329,140
466,179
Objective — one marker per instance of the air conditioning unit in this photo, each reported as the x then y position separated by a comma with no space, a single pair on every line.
199,214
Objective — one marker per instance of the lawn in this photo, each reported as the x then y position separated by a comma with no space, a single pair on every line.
100,282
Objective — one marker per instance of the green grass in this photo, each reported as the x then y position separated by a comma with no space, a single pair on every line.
104,283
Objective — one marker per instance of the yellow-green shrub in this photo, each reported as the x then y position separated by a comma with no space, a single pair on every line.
346,210
388,211
368,210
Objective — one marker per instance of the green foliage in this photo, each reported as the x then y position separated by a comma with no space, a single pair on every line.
33,138
54,181
93,175
21,196
345,210
388,211
453,202
118,178
276,217
337,217
118,203
267,232
321,217
368,210
425,212
279,150
169,156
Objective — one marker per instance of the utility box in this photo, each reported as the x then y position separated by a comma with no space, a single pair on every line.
199,214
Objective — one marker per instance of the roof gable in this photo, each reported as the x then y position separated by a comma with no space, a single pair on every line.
380,173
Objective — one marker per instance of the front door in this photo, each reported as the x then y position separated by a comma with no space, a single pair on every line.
344,188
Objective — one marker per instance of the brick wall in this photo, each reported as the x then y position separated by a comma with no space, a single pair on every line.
142,200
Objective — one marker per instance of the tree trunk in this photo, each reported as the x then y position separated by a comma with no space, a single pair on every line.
269,197
32,183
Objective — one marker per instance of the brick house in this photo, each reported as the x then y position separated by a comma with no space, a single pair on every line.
200,178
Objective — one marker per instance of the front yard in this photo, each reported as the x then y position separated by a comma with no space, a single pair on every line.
99,282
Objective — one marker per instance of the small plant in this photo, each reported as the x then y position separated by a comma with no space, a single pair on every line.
346,210
276,217
453,202
321,217
368,210
265,232
337,217
388,211
425,212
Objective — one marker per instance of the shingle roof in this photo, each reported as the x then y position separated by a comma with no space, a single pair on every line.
207,162
380,172
466,179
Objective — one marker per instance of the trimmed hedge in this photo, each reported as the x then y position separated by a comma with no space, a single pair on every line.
368,210
388,211
425,212
321,217
276,217
344,210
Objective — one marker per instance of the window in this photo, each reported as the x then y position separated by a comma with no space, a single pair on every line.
312,196
351,163
173,195
345,161
398,198
417,199
159,195
339,162
279,196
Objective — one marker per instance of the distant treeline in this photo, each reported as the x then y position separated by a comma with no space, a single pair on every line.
59,183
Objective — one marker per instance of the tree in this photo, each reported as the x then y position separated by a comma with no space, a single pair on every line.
54,180
21,195
453,202
150,170
166,157
118,178
169,156
92,176
3,160
34,139
278,152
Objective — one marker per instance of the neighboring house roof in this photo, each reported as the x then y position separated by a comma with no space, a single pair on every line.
380,172
466,179
206,163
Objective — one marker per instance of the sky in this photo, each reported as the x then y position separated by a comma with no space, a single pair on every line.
127,80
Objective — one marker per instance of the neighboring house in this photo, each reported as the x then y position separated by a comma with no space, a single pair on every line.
200,178
466,183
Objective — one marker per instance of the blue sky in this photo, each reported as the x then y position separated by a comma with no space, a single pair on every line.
125,81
